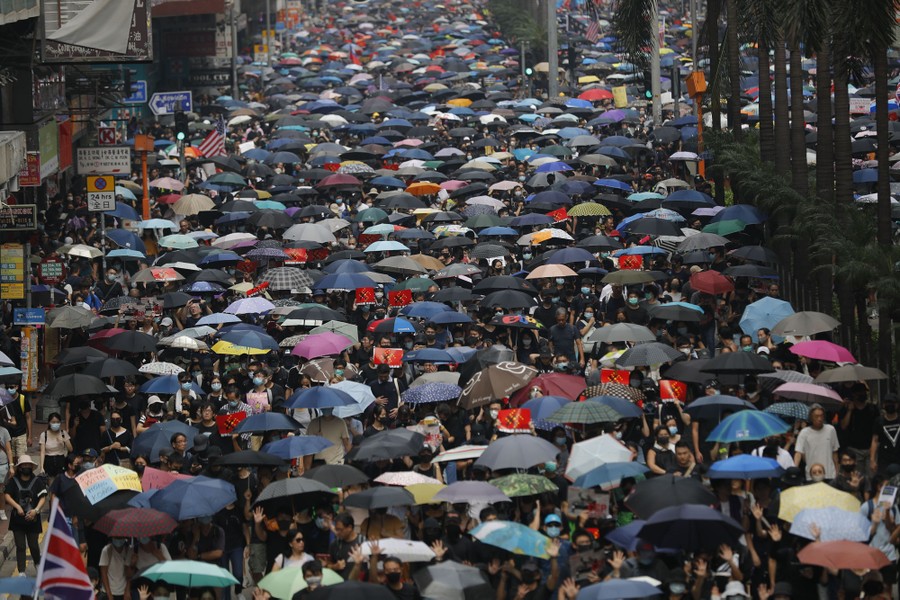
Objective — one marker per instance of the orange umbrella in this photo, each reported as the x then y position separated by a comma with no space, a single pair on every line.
423,188
461,102
711,282
551,271
843,555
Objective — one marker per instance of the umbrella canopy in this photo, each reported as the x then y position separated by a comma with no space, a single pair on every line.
816,495
517,484
296,446
518,451
646,354
832,523
747,425
284,583
267,421
352,589
590,454
809,393
513,537
191,498
653,495
823,350
496,381
610,475
738,363
471,492
189,574
850,373
745,466
337,475
764,313
618,589
295,486
805,323
76,384
379,497
388,445
585,412
135,522
451,580
690,527
843,555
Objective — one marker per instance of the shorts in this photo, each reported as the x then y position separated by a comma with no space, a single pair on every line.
4,475
257,559
19,446
889,574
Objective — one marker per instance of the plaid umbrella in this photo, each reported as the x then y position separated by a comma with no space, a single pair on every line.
432,392
135,522
585,412
614,389
286,278
770,381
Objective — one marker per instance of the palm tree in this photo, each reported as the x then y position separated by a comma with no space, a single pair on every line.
782,118
734,68
761,25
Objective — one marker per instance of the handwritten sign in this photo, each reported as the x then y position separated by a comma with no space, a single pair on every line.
105,481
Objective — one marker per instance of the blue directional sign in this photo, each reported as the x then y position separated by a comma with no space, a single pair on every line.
167,103
28,316
138,93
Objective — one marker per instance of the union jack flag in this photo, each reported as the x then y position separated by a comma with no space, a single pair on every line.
214,143
61,573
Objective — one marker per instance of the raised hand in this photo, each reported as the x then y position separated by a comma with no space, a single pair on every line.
617,560
775,533
439,549
701,569
259,515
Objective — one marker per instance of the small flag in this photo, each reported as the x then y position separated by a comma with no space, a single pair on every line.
214,143
615,376
227,423
558,215
671,389
631,262
61,572
393,357
593,29
400,297
514,420
365,296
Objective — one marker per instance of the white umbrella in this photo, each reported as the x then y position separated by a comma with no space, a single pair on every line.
359,392
82,251
309,232
595,452
232,239
405,550
160,368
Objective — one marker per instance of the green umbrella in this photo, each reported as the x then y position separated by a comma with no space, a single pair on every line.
190,574
726,227
345,329
518,484
371,215
227,178
285,583
585,412
416,284
483,221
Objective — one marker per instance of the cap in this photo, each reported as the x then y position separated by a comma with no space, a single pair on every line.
762,350
166,322
201,443
154,400
695,269
552,518
90,452
735,588
792,476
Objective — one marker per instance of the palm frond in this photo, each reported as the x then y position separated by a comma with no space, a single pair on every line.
634,27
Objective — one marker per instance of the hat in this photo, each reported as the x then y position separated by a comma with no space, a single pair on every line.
695,269
373,192
762,350
735,588
201,443
552,518
154,400
24,459
782,588
166,322
90,453
792,476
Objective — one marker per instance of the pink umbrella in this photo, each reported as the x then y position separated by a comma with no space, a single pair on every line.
822,350
322,344
809,393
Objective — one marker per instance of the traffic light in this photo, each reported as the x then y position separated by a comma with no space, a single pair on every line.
572,56
529,71
648,85
181,125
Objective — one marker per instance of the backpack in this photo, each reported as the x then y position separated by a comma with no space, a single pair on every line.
26,496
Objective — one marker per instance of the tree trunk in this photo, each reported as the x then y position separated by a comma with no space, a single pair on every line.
799,169
843,166
734,69
864,330
824,162
766,131
883,152
782,111
713,10
847,328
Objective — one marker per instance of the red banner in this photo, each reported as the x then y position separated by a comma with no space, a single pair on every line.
671,389
298,256
514,420
246,266
227,423
631,262
392,357
558,215
400,297
258,289
615,376
365,296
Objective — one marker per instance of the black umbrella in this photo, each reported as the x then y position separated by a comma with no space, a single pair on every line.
176,299
78,505
451,580
295,486
352,589
648,353
750,271
653,495
711,407
316,313
250,458
738,363
508,299
337,475
79,355
453,294
76,384
458,241
654,227
674,312
500,283
388,445
132,341
380,497
756,254
690,527
110,367
691,371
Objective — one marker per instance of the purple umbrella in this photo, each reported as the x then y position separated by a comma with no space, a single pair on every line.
249,306
322,344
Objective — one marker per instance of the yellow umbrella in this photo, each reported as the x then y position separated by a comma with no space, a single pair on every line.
588,79
461,102
229,349
588,209
424,492
817,495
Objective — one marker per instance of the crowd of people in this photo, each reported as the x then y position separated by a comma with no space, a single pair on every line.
416,336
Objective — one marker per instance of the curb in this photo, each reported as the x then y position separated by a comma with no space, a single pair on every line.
7,548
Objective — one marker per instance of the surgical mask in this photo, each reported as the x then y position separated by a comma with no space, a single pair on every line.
408,345
583,547
560,281
817,478
12,390
554,531
313,580
633,301
186,386
25,470
340,200
747,348
562,366
379,295
160,598
55,426
393,578
118,542
685,351
526,255
87,465
663,441
676,588
646,558
588,315
258,381
554,299
233,403
618,435
215,387
110,277
682,331
585,290
320,522
339,372
673,430
494,413
560,440
521,178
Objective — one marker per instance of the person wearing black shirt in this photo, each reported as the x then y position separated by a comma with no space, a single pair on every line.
110,287
387,389
885,450
857,426
87,428
345,538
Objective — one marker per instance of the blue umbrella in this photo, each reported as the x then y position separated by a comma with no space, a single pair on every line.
789,410
126,239
834,524
125,254
541,409
203,287
609,475
691,197
747,425
347,265
498,231
620,405
319,397
512,537
531,219
745,466
221,258
251,339
20,586
142,500
123,211
766,312
424,309
159,436
432,392
461,354
865,176
191,498
297,445
690,527
618,589
450,317
433,355
569,256
639,251
747,213
167,384
267,421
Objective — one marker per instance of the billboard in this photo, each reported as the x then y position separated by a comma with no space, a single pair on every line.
102,31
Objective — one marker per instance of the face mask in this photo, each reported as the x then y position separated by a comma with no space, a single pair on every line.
195,374
233,403
685,351
115,422
521,178
186,386
139,469
160,598
118,542
339,372
257,381
25,471
284,524
320,523
554,299
890,408
663,441
848,468
676,588
526,255
110,278
817,478
633,301
553,531
618,435
494,414
394,578
312,580
87,465
673,430
560,440
216,387
379,295
529,576
682,331
408,345
646,558
526,343
562,366
588,315
12,390
498,313
585,290
747,348
583,547
340,200
55,426
560,281
144,540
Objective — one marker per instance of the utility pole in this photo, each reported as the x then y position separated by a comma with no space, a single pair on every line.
553,50
234,51
269,38
655,73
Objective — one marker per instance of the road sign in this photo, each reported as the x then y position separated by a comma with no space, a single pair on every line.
52,271
12,271
28,316
167,103
18,217
101,193
138,93
106,136
106,160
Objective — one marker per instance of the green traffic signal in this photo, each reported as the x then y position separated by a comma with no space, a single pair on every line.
180,136
529,71
648,94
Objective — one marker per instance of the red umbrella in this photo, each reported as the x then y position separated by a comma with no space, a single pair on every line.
595,94
551,384
843,555
339,179
135,522
711,282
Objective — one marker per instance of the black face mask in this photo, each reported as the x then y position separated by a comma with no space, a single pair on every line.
583,547
529,576
848,468
393,578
